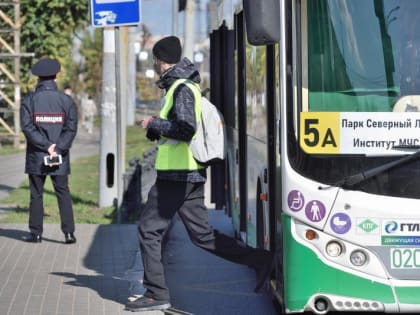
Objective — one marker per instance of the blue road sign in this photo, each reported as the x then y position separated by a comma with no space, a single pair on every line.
106,13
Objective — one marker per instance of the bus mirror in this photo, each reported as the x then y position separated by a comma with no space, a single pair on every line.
262,19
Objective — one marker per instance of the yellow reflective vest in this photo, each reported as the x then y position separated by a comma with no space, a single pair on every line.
174,154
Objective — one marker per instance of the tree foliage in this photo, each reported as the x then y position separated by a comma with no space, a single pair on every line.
90,67
48,30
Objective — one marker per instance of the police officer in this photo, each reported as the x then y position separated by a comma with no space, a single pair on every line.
49,122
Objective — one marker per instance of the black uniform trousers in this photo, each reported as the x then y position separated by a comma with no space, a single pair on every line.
164,200
36,206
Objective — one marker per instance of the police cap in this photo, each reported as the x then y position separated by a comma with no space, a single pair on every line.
46,67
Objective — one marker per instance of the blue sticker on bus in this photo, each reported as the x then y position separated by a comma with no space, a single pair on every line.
340,223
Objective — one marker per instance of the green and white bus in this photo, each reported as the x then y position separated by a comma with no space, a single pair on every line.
321,100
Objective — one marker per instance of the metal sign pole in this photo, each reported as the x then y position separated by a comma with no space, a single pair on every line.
108,141
114,13
118,120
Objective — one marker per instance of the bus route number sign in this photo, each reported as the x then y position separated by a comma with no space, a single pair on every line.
319,133
367,133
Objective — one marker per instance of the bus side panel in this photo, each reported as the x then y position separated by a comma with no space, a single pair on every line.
233,180
222,95
305,275
256,146
257,158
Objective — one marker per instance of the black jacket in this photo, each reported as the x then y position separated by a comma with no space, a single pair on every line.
48,116
181,124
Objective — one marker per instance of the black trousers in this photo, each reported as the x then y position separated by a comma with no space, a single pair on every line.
36,206
164,200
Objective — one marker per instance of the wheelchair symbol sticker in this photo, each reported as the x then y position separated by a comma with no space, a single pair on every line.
295,200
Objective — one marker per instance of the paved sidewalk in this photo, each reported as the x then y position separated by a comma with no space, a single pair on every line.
94,276
201,283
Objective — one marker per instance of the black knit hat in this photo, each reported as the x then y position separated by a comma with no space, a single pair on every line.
168,49
46,67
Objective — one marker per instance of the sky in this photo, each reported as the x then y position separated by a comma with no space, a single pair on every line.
157,16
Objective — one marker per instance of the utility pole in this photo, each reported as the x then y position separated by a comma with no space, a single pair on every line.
175,9
121,77
117,14
131,81
199,28
108,141
189,30
113,113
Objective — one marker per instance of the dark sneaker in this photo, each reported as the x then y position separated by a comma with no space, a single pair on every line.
147,304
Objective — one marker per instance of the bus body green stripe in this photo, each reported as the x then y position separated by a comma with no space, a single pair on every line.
305,275
408,295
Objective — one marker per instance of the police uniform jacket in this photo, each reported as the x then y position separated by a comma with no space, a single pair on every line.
48,116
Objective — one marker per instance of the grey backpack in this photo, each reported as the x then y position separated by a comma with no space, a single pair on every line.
208,145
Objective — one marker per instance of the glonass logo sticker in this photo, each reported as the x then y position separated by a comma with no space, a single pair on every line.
391,227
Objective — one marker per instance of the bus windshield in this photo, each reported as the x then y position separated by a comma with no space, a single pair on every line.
363,55
359,104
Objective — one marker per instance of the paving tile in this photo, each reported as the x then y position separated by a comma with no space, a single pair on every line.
96,275
55,278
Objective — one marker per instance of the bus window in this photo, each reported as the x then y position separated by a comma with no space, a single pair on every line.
360,56
256,97
359,64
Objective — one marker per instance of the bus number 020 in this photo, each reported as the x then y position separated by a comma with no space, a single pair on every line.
407,258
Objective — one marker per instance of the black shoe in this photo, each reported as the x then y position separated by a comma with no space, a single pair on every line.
263,271
147,304
69,238
33,238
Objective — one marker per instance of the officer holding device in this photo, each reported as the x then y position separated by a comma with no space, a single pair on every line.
49,122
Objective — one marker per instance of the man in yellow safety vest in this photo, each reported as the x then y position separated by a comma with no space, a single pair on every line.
179,187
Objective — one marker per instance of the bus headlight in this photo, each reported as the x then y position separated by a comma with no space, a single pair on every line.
358,258
334,249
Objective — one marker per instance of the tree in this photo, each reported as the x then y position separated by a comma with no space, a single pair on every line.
90,68
48,30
